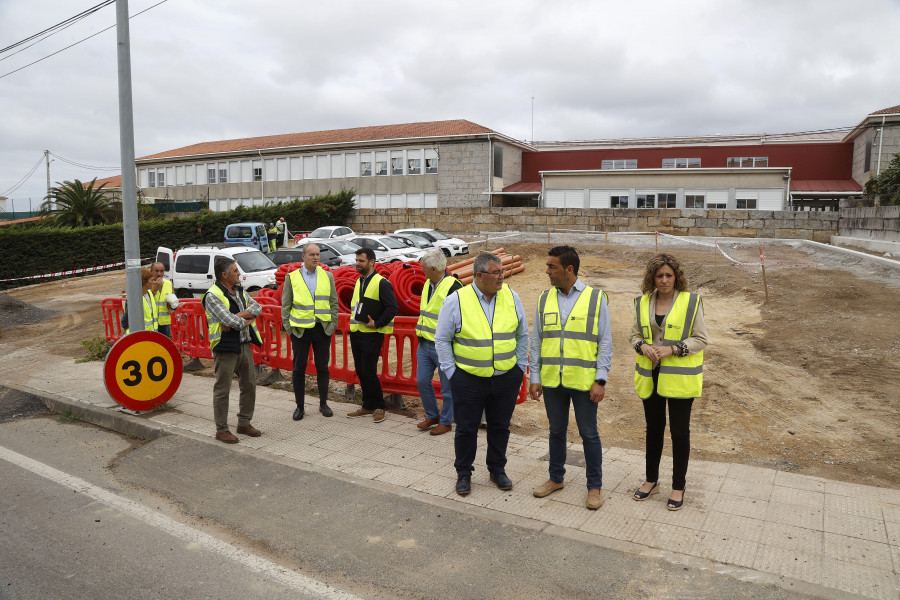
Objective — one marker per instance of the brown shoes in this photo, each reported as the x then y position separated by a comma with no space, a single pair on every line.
547,488
594,499
249,429
360,412
428,423
441,429
227,437
378,415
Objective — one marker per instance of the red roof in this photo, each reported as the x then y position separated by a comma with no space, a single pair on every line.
111,182
334,136
523,186
825,185
888,111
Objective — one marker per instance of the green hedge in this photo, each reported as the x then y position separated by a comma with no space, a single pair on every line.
37,250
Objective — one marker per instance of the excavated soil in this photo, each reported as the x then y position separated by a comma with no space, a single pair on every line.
804,382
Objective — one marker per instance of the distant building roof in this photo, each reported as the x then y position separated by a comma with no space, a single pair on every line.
111,182
825,185
524,186
756,139
892,110
430,129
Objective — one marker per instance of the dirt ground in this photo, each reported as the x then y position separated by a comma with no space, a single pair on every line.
806,382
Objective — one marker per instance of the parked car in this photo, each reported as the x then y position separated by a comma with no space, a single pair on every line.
295,255
249,234
413,241
387,249
191,268
344,249
331,232
450,246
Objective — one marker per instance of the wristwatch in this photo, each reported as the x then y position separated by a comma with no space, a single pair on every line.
600,381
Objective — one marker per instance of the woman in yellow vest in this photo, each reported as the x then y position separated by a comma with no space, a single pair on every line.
669,336
149,285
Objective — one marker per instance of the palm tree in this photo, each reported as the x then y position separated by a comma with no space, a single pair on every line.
78,205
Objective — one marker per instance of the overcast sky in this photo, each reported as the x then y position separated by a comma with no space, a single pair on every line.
218,69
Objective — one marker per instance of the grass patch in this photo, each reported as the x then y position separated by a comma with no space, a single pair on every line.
67,416
162,407
97,349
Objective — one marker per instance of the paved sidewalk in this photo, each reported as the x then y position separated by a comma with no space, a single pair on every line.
755,523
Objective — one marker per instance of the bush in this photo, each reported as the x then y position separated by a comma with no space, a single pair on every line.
97,349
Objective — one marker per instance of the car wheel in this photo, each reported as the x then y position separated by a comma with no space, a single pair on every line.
445,251
183,293
253,289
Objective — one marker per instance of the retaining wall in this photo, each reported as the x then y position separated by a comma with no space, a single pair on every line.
879,223
817,226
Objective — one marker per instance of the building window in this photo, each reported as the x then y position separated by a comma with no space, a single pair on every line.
746,203
210,175
223,175
161,178
629,163
365,166
721,205
431,161
666,201
618,201
694,201
396,162
337,166
257,173
189,175
152,175
413,162
646,201
381,164
748,161
681,163
498,160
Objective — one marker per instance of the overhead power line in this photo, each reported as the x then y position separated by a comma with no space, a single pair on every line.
84,166
59,26
78,42
22,181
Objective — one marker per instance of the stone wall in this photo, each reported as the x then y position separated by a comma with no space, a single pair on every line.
880,223
463,174
817,226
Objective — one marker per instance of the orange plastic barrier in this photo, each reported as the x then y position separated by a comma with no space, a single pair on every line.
112,317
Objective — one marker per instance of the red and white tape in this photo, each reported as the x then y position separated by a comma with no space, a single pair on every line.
72,272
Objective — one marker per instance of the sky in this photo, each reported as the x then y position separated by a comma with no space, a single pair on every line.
205,70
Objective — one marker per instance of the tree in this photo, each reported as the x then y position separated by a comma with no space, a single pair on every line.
887,184
78,205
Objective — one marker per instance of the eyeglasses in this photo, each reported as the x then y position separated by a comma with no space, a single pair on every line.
493,273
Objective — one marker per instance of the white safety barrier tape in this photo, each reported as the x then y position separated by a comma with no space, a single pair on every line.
71,272
493,238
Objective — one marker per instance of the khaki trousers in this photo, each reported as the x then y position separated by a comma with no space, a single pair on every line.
226,364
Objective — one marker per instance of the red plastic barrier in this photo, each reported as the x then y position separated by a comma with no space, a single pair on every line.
112,318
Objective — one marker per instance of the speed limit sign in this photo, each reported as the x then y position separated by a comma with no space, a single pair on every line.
143,370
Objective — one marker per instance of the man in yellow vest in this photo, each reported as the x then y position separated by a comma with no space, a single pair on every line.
309,312
482,345
272,235
231,316
374,306
571,353
165,298
439,286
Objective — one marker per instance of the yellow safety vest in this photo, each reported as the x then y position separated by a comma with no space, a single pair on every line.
305,310
215,328
569,352
162,307
428,310
480,347
373,291
151,318
679,376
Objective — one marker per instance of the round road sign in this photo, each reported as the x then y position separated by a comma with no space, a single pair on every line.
142,370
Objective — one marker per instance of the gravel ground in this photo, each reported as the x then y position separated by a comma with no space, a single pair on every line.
15,312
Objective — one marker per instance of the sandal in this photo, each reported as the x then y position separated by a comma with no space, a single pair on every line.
639,495
675,504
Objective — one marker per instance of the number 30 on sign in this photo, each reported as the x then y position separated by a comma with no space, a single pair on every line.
143,370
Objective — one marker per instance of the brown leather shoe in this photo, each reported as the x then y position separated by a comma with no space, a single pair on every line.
360,412
594,499
378,415
547,488
227,437
249,429
441,429
428,423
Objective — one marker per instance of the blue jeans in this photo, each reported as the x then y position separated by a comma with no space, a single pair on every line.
427,362
556,402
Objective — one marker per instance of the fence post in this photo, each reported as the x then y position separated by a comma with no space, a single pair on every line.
762,262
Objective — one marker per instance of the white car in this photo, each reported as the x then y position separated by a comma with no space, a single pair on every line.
191,268
345,250
450,246
387,249
331,232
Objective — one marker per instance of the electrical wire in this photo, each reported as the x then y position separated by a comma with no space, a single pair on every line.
60,26
84,166
22,181
78,42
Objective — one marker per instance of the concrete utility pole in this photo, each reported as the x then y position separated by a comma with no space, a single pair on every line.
47,158
129,185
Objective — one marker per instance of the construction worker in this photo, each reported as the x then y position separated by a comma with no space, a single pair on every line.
165,299
273,236
149,286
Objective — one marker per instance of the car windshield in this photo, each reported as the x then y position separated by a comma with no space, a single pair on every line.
420,241
343,247
252,262
321,232
392,243
283,258
437,235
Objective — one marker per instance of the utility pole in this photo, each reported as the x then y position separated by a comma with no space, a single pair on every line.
129,185
47,158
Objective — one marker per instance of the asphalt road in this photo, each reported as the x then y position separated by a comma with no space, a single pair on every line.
185,518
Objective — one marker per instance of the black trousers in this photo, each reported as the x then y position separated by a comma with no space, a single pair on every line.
679,429
366,348
321,345
496,397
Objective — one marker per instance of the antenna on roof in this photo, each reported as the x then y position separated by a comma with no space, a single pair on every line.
532,120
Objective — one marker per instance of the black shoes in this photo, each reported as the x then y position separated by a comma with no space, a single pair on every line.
639,495
503,482
464,485
325,410
298,414
675,504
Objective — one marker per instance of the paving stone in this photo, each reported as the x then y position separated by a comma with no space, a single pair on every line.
789,537
741,506
746,489
396,456
789,563
797,516
752,474
856,579
367,469
853,506
562,514
799,482
312,455
858,527
733,526
516,504
435,484
798,497
401,476
671,538
861,552
728,550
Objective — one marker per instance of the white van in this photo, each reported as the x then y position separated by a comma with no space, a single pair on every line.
191,268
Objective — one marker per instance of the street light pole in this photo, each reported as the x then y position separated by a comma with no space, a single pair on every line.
129,186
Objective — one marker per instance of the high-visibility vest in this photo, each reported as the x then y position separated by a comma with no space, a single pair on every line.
480,348
162,307
215,328
429,309
373,291
305,310
151,318
569,351
679,376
